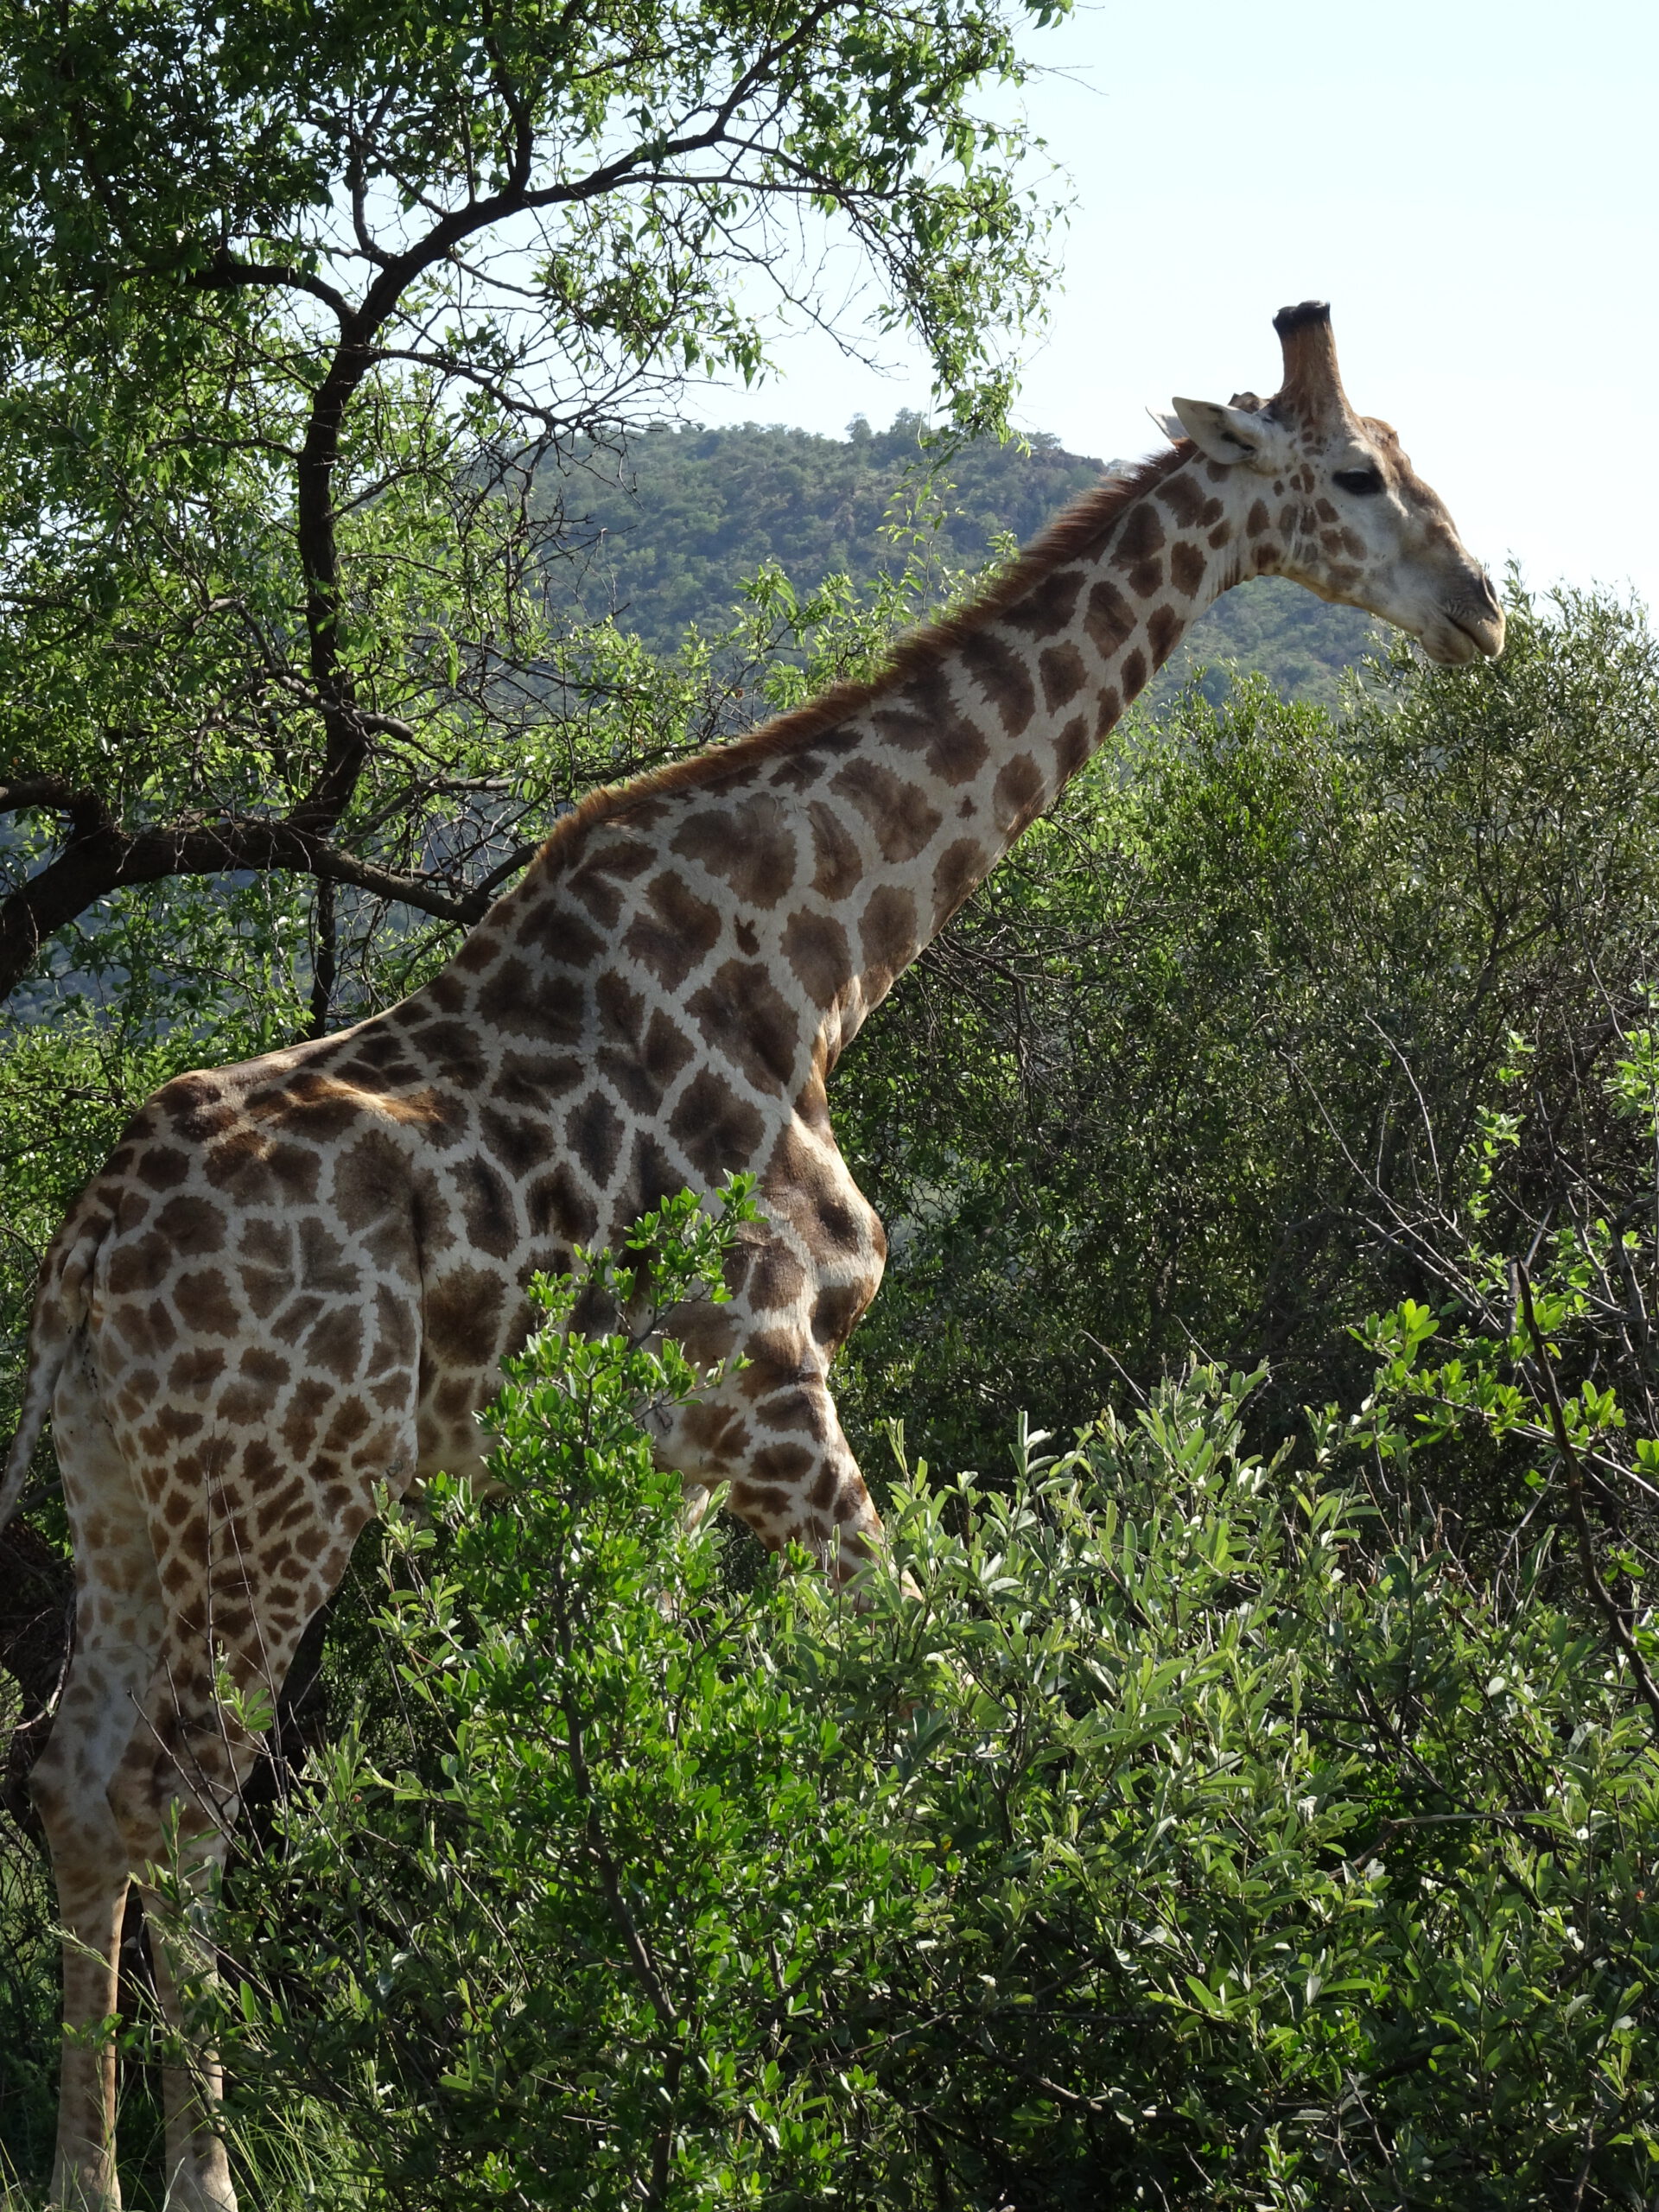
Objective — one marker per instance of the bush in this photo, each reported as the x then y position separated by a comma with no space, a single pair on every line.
1164,1846
1208,1062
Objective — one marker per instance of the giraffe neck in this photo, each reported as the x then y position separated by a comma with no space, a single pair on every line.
770,891
957,756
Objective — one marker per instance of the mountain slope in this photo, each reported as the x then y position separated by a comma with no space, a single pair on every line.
671,530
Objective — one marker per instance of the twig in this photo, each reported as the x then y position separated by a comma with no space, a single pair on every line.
1618,1626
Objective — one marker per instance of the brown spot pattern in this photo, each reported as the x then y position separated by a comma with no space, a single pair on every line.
1064,676
676,933
1048,608
716,1130
748,1023
1019,792
837,863
1109,619
1002,675
900,813
461,1312
1163,633
1186,568
593,1132
1141,538
959,867
1071,747
816,948
922,717
887,932
749,844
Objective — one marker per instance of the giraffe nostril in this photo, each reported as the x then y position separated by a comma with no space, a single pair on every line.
1488,594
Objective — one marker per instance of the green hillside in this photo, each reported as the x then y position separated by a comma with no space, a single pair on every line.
667,533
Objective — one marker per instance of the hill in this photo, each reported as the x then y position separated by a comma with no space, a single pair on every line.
669,531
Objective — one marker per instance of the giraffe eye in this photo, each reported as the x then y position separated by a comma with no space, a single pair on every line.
1362,482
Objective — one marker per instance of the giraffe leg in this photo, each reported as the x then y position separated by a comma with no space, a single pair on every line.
118,1627
198,2170
807,1485
91,1909
176,1796
774,1434
177,1793
771,1429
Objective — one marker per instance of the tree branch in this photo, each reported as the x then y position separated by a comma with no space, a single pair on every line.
345,747
109,860
49,792
227,274
1619,1627
89,812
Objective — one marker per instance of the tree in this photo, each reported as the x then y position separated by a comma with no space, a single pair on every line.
296,298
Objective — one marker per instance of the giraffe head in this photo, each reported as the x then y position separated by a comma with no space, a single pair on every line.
1334,504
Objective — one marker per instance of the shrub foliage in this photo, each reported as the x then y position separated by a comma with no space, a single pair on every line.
1168,1842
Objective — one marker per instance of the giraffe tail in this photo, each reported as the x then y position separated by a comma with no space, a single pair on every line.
63,1303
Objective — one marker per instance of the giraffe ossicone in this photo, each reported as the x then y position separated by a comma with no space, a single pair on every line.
295,1280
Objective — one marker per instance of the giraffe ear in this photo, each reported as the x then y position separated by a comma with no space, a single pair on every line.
1232,435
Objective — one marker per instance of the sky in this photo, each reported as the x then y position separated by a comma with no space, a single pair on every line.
1475,189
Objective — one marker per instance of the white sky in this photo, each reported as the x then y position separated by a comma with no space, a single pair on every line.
1475,188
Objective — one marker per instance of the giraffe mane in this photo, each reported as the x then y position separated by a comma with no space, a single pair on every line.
1075,532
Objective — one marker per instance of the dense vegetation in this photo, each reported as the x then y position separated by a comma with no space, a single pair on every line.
1255,1810
1183,1841
1245,1804
665,534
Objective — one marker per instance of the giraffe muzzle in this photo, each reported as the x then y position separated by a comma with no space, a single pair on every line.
1482,625
1463,621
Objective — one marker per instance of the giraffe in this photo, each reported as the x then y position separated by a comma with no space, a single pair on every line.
295,1280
